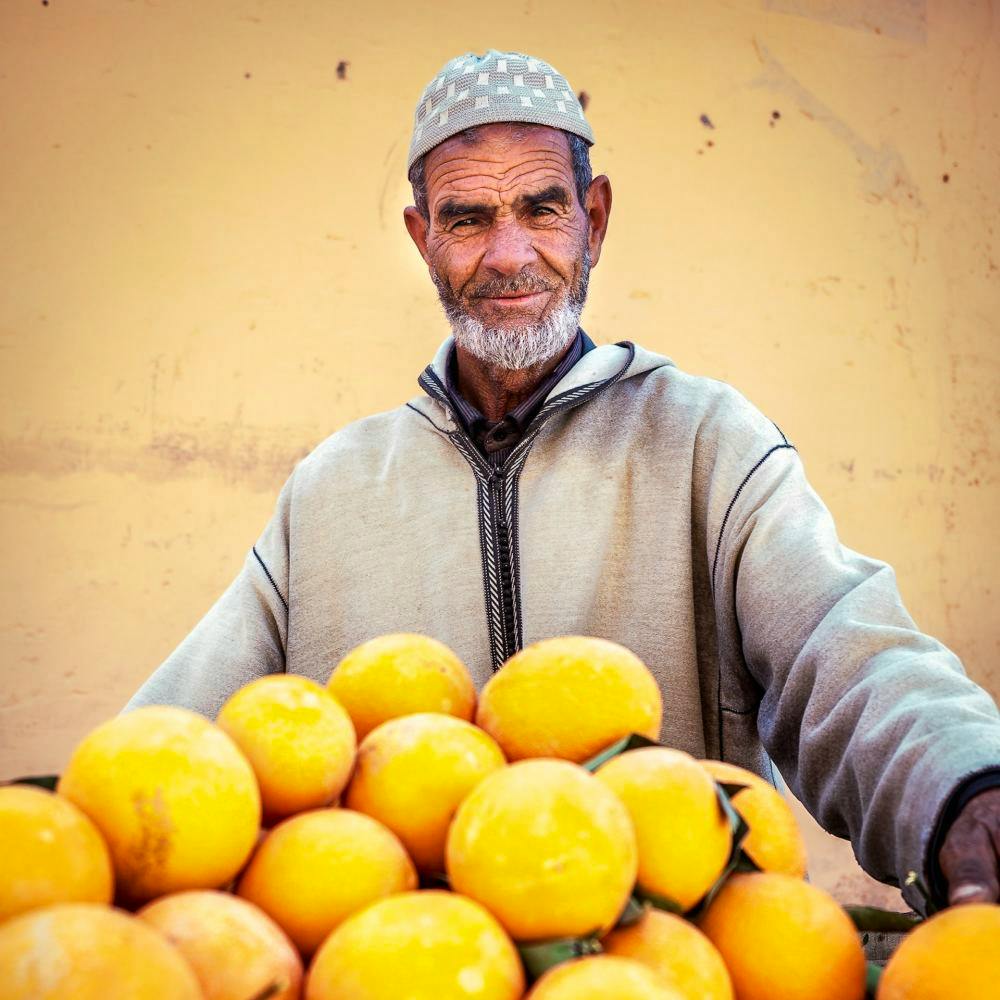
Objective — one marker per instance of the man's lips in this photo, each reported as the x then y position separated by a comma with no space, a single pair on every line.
512,300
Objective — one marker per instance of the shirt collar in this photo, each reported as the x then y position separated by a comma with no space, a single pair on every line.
522,414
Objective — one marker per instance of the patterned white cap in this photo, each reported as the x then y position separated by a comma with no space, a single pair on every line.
497,87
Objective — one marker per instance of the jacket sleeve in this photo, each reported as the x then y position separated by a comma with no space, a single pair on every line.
243,636
872,723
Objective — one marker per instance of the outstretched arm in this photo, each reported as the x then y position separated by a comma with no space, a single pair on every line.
873,723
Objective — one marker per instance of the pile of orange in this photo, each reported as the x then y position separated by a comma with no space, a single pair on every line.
393,835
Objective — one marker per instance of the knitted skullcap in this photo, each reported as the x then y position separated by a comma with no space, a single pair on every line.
497,87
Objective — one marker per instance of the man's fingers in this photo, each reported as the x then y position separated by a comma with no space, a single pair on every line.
969,863
971,892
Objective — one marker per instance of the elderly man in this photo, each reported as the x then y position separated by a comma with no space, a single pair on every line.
543,486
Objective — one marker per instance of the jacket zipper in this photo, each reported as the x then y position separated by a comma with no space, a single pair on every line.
497,502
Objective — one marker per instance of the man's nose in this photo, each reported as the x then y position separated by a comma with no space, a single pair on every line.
509,248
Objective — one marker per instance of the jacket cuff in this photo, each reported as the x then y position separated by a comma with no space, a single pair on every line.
963,794
927,805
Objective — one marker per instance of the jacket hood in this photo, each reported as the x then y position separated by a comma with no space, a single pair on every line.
603,364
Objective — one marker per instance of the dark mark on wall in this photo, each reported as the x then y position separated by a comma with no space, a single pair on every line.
706,121
775,115
584,98
342,69
945,178
246,76
710,143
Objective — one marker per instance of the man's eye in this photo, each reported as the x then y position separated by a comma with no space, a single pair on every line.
542,210
464,222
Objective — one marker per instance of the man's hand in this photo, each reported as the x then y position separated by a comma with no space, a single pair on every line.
970,854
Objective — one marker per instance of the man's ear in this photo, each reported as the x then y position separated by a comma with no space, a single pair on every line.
416,226
597,205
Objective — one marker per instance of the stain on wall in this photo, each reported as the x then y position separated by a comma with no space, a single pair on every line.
905,19
205,273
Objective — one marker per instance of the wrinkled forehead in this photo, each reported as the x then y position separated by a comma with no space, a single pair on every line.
502,158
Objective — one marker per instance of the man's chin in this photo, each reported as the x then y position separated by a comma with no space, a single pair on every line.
512,318
514,349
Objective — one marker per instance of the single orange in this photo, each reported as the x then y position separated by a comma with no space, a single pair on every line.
775,842
236,950
173,796
569,697
677,951
314,870
956,953
684,836
434,945
603,977
413,773
782,937
87,951
400,674
546,848
50,852
298,739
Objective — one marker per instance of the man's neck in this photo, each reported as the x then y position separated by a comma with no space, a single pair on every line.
496,391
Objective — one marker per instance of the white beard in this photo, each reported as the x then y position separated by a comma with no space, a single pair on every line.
517,347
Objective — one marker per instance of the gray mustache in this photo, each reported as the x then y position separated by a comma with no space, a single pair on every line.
521,285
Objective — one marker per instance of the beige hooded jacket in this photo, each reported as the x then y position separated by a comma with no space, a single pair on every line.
645,505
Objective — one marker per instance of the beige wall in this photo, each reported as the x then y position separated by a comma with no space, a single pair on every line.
204,273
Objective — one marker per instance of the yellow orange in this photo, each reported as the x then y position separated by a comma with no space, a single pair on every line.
50,852
87,951
413,773
546,848
603,977
298,739
401,674
314,870
569,697
437,945
774,843
782,937
677,951
175,799
683,835
956,953
236,950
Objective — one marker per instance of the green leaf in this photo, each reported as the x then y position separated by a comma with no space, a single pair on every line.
538,957
744,864
634,910
634,741
738,859
873,973
872,919
660,902
731,788
48,781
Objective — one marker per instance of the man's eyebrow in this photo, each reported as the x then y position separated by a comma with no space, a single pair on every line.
554,192
451,208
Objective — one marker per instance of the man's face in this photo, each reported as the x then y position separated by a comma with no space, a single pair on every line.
507,241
